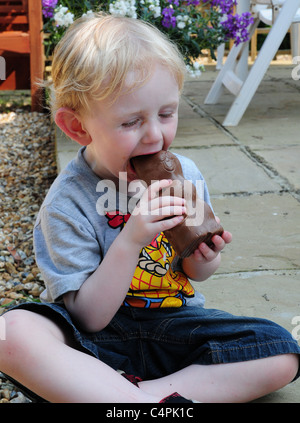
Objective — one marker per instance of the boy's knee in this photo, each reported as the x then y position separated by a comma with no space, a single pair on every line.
287,368
23,332
17,329
15,325
22,329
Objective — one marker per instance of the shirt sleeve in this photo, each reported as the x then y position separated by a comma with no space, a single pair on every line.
67,252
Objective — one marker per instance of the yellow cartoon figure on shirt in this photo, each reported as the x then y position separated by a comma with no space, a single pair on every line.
154,283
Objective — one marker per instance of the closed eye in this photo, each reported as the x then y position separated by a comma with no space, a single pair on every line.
131,123
166,115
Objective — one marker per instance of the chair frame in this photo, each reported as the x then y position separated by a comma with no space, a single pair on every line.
245,90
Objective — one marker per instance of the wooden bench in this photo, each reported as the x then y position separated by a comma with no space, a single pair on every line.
21,47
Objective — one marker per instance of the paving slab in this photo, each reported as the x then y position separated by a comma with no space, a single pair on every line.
265,232
260,134
229,170
267,103
285,160
258,129
264,294
190,123
276,99
198,131
283,71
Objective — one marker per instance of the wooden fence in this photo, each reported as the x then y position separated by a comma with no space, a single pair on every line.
21,47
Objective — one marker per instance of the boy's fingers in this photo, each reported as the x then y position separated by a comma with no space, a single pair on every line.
154,188
227,236
168,211
170,201
170,223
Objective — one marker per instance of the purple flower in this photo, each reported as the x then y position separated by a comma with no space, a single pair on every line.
176,2
168,18
48,7
225,6
236,27
193,2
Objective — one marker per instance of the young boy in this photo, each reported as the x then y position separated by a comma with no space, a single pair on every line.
117,299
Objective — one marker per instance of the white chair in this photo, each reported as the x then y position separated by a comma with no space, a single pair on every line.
267,16
283,17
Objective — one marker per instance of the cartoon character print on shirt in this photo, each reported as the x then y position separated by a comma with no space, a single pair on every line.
116,219
154,283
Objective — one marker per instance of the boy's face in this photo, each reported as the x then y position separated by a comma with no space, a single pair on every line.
143,121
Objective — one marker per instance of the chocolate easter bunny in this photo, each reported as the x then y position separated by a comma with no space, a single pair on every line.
199,224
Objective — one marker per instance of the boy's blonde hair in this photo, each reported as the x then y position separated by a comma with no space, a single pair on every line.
94,56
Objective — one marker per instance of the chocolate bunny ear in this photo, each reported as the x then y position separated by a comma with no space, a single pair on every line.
199,224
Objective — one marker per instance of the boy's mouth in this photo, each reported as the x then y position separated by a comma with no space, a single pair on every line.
131,160
131,164
131,168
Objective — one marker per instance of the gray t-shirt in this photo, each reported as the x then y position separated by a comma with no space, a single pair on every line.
78,221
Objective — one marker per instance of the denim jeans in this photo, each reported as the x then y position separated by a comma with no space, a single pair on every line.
153,343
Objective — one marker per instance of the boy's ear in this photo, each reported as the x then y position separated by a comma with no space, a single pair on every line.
71,125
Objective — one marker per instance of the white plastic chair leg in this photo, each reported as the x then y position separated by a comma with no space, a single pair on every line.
229,66
220,56
259,68
295,39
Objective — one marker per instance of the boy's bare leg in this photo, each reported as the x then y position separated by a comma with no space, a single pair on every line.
233,382
36,353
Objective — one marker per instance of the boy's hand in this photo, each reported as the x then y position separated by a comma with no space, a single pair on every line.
206,254
205,260
149,216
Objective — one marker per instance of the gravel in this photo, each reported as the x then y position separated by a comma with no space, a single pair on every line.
27,169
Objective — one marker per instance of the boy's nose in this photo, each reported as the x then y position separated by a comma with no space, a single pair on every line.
153,133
